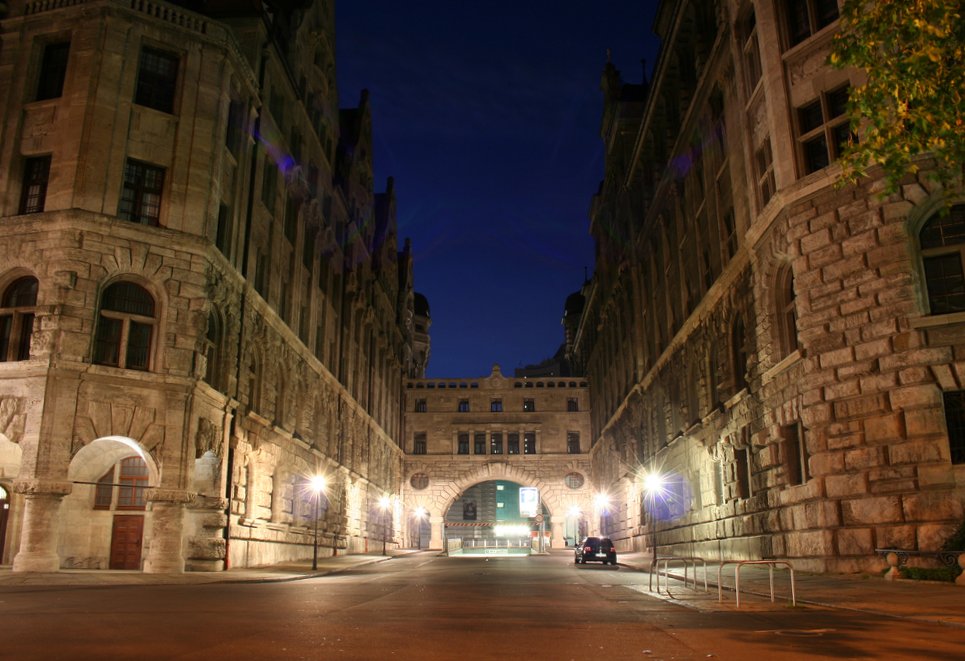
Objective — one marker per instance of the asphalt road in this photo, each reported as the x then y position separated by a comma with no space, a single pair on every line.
429,608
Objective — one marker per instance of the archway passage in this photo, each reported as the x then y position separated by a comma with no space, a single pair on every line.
488,518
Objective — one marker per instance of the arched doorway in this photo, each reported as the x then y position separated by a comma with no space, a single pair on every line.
11,510
105,516
492,515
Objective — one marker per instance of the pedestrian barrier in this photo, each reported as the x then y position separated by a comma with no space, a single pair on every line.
686,562
737,577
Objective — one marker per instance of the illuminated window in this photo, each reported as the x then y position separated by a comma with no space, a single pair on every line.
529,405
529,443
496,444
573,442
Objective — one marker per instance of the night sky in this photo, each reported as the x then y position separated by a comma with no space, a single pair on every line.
487,114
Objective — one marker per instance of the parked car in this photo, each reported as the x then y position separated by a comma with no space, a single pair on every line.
597,549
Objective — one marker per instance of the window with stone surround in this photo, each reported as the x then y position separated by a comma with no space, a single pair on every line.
529,442
496,443
955,422
33,192
573,442
751,53
572,404
420,406
214,352
479,443
157,77
419,443
125,327
496,406
17,308
942,243
529,405
795,454
463,443
786,311
141,193
53,71
463,406
823,129
512,443
742,473
803,18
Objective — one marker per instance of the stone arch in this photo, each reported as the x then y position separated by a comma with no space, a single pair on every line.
85,531
496,471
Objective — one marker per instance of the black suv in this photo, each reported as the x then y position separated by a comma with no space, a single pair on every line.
595,548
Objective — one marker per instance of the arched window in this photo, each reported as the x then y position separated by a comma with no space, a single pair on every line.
738,349
214,345
17,305
786,312
125,327
942,242
131,484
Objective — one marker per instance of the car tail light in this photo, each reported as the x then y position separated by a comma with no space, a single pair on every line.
587,549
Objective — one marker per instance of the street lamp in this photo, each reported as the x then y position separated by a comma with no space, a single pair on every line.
419,514
384,506
317,485
653,486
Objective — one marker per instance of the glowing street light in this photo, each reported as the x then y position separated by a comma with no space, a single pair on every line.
384,506
317,484
654,486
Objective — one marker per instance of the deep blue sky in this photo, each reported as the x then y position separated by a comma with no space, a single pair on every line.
487,114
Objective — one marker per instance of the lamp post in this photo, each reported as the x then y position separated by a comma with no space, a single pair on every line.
420,513
317,485
384,506
653,486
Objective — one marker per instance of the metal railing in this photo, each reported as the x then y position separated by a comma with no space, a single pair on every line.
737,577
686,562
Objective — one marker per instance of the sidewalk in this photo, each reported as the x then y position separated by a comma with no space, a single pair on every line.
923,601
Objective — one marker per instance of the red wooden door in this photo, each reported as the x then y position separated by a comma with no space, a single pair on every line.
126,541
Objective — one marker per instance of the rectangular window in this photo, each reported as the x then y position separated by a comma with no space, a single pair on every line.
463,406
269,185
36,174
572,405
496,405
766,186
157,77
512,443
234,135
291,219
751,53
823,129
141,196
496,443
529,405
955,422
308,250
806,17
479,443
529,443
463,441
419,444
222,237
420,406
795,455
742,472
573,442
53,71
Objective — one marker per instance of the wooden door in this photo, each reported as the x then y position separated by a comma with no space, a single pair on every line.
126,541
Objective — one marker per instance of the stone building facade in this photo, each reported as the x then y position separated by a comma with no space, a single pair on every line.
203,302
787,352
460,433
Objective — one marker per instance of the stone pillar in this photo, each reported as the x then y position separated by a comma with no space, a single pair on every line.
435,537
557,541
40,535
165,554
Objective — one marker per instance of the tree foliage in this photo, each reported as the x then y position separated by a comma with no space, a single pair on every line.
913,54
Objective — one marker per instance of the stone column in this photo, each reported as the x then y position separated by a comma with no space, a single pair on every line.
165,554
435,537
557,541
40,534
